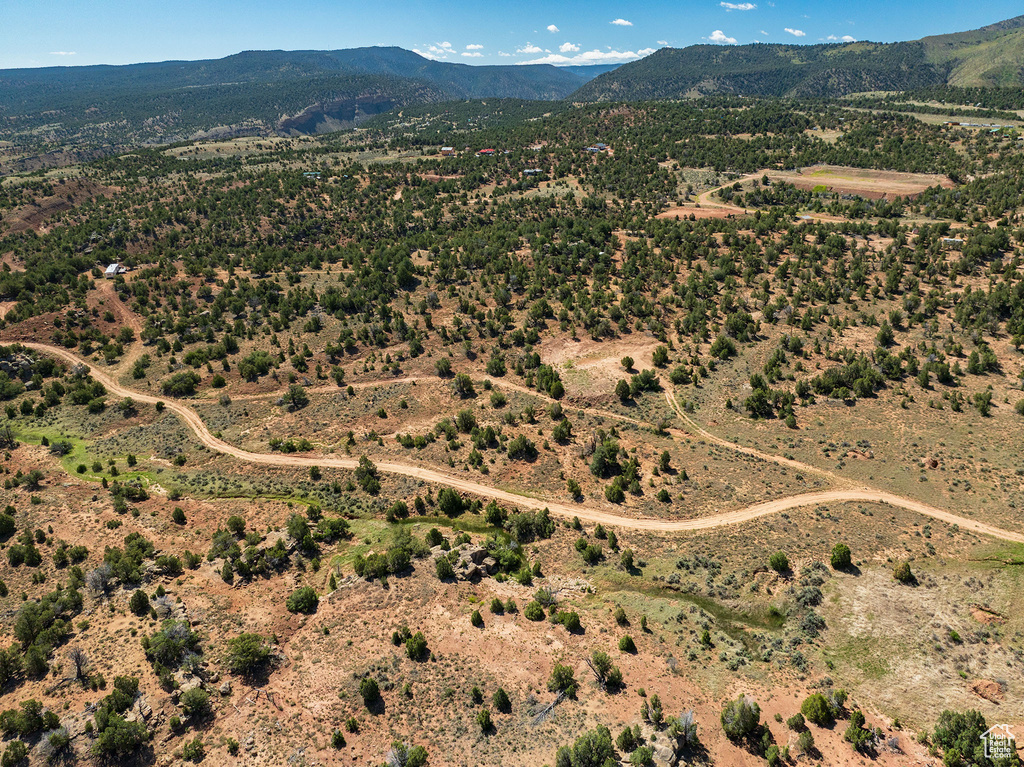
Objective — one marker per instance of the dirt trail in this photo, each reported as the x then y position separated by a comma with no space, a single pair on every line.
113,302
754,452
706,201
866,494
499,383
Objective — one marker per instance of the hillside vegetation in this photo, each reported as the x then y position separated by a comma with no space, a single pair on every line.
987,57
257,92
671,432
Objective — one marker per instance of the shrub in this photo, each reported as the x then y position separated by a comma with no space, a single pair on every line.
740,718
193,751
15,754
856,734
806,742
483,718
247,653
139,603
400,754
500,701
902,573
642,756
779,562
592,749
562,679
119,738
817,709
534,611
369,691
450,502
571,621
796,722
477,619
195,703
303,600
463,386
337,740
171,643
959,736
416,646
445,570
521,447
614,493
841,558
626,644
622,390
181,384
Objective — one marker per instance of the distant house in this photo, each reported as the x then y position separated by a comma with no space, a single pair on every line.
486,153
592,149
447,151
601,147
953,243
312,174
113,270
532,171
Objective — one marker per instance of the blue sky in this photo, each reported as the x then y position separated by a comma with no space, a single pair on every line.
37,33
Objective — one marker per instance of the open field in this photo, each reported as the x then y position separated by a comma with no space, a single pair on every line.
871,184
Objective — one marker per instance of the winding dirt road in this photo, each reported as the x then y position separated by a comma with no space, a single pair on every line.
864,494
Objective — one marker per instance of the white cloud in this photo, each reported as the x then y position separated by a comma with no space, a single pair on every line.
738,6
718,36
530,48
474,47
848,39
796,32
63,53
622,23
592,57
663,42
436,51
503,54
472,54
765,34
568,48
552,28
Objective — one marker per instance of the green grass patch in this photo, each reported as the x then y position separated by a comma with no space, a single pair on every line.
734,623
998,555
81,454
860,653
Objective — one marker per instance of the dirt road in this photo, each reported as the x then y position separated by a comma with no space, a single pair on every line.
864,494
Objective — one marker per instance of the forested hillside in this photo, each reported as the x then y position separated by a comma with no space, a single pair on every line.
260,92
984,57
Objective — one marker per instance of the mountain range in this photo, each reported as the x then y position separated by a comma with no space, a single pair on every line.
280,91
989,57
303,92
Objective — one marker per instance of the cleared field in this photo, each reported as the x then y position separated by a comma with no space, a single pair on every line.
872,184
